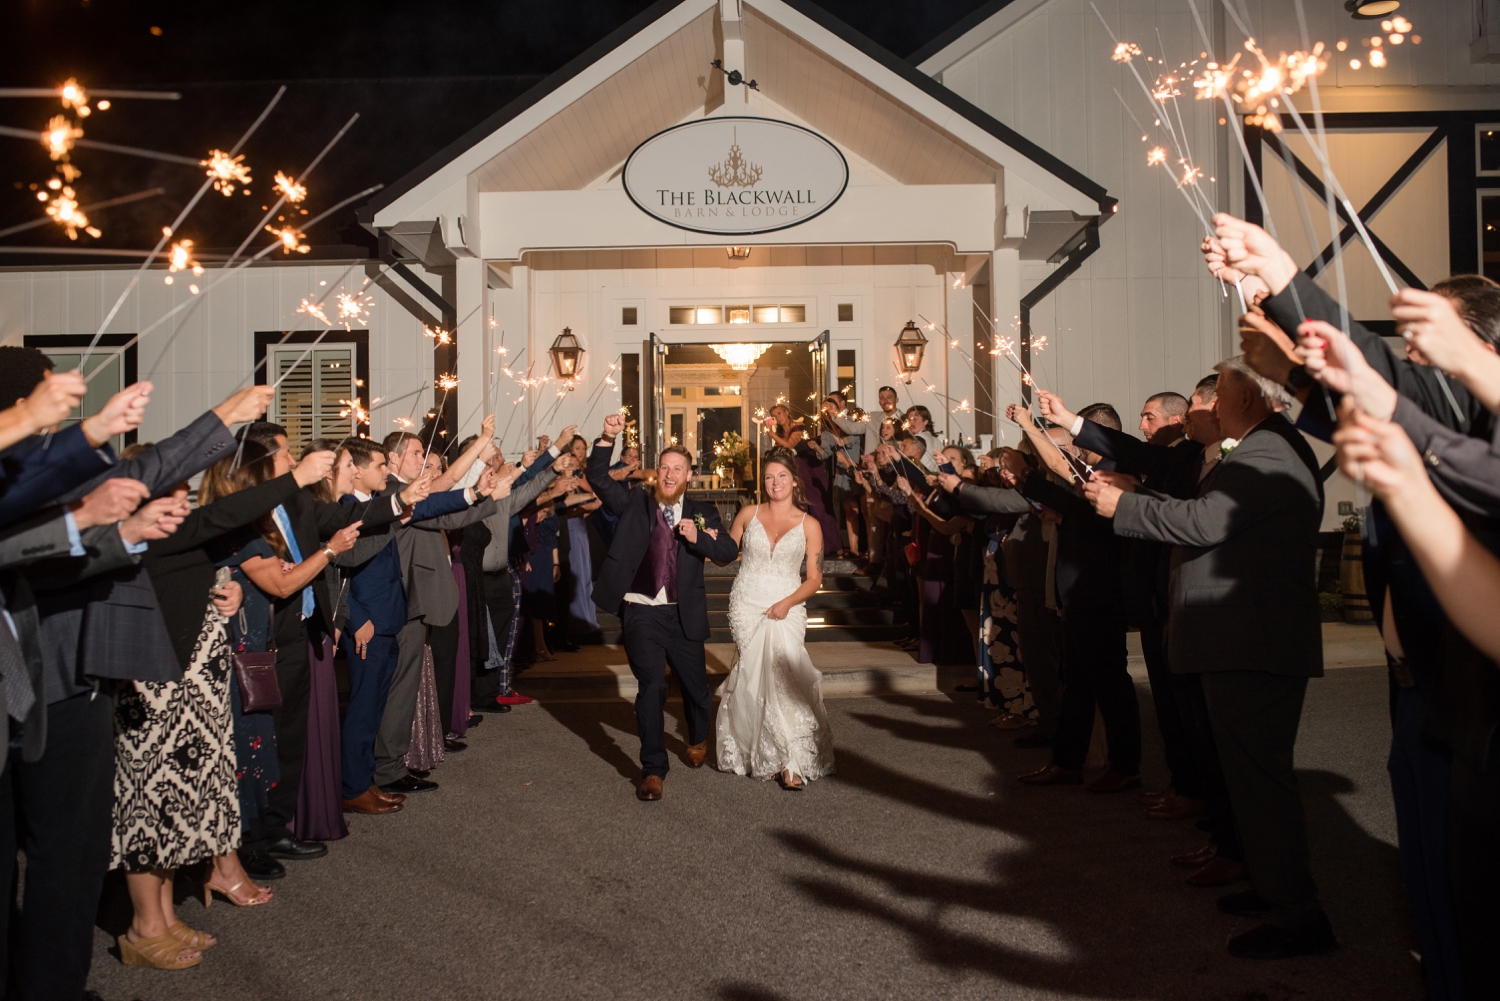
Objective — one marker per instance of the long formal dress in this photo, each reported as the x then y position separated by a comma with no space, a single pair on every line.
771,715
176,798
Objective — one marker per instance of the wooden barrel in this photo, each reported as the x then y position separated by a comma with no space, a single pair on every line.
1352,581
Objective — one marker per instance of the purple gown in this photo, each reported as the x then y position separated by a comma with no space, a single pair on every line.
320,815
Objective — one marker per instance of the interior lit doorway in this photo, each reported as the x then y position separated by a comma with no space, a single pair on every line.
713,398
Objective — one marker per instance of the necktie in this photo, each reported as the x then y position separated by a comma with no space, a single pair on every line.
14,677
284,523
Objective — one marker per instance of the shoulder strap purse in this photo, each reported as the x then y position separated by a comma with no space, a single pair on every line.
255,673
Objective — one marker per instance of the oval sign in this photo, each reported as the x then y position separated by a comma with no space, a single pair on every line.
735,176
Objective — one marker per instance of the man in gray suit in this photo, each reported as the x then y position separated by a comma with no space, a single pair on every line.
56,791
1244,615
432,609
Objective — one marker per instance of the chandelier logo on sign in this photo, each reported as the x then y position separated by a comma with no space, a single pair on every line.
795,175
735,171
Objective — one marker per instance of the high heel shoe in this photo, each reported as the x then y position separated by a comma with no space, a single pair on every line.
262,896
787,783
202,941
160,952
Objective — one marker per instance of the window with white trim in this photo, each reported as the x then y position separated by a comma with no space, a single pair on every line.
313,390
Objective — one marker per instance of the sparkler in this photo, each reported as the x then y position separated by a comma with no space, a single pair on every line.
226,171
290,189
64,210
202,190
291,239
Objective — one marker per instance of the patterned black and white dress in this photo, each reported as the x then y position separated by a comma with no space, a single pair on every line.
176,800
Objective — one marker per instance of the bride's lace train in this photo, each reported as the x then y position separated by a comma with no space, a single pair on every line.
771,714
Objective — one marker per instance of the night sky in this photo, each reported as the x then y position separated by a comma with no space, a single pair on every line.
419,74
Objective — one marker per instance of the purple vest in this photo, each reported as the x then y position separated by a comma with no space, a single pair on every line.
658,567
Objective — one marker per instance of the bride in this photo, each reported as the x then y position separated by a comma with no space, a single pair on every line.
771,716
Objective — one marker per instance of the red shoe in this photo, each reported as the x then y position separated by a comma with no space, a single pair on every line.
514,699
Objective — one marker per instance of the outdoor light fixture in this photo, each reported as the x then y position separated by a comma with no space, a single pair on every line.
1369,10
739,356
567,356
909,348
737,253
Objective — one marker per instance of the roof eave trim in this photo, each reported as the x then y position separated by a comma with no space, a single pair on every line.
552,83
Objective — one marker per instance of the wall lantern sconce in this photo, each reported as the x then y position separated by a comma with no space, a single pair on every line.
737,253
909,348
1369,10
567,356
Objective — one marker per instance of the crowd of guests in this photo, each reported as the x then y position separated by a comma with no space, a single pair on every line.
1032,564
210,681
213,682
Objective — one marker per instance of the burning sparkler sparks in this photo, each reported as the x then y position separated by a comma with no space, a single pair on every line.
74,96
227,171
290,189
64,210
447,383
1156,157
315,310
180,258
1125,51
352,308
59,136
292,239
359,413
438,334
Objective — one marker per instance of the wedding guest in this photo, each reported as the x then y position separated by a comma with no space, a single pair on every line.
938,538
1169,463
542,569
1029,556
1251,531
305,613
919,424
1095,661
792,434
844,431
581,505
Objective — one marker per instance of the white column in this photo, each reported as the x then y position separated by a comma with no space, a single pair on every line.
473,313
1005,295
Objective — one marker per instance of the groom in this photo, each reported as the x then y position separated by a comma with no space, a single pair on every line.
653,579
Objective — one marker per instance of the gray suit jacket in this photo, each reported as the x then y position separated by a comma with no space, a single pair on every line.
112,628
427,563
1242,593
497,552
41,542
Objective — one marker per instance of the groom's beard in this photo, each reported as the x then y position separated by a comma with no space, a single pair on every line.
662,497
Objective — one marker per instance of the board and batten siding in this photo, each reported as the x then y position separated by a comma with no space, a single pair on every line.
206,352
1140,316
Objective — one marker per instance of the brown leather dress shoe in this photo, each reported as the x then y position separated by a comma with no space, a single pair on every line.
390,797
1219,872
370,801
1115,781
1197,859
1155,798
649,791
696,753
1176,808
1052,775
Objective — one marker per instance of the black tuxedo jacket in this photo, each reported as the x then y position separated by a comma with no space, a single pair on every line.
635,510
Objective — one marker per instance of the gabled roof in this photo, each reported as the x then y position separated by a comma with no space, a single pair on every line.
894,79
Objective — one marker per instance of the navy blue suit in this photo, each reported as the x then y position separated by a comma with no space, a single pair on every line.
40,469
377,595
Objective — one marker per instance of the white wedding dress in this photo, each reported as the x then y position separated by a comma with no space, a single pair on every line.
771,715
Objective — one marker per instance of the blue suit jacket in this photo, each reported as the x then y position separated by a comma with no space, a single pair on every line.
39,470
375,591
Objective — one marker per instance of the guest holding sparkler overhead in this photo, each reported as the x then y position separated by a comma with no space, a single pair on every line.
792,434
919,423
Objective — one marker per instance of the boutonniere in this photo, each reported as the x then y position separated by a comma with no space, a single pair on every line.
1228,445
699,521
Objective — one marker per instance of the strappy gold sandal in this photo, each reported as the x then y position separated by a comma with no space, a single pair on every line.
160,952
263,894
192,938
